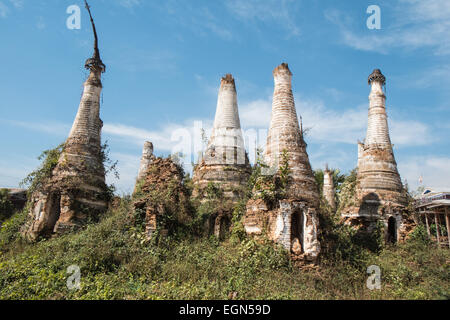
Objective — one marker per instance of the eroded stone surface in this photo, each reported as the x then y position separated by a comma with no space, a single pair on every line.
161,193
225,162
379,190
291,222
76,190
146,159
328,188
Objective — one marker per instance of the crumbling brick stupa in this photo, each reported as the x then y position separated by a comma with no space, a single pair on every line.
293,220
329,193
225,162
76,190
160,199
146,159
379,194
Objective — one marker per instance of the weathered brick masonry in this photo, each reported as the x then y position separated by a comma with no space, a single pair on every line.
76,191
293,221
379,191
225,162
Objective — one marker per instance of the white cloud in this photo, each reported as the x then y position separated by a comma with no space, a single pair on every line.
128,166
199,19
255,113
17,3
335,126
50,127
415,24
41,23
269,11
129,4
4,11
434,170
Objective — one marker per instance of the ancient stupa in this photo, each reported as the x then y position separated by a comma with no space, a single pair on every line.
285,135
379,190
293,222
225,162
328,188
76,191
146,160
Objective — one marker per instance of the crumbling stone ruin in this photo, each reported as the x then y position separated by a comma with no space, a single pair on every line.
328,188
160,199
76,190
225,162
292,221
379,194
146,160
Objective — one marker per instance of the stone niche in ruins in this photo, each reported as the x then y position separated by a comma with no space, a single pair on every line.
76,190
379,193
292,221
224,164
160,198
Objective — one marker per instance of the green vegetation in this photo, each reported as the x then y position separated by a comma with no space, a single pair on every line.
6,207
116,263
36,179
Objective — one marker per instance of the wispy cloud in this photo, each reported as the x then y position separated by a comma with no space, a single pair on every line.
434,170
4,10
129,4
17,3
327,125
199,19
278,12
50,127
416,24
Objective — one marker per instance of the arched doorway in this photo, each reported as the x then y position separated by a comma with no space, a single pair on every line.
297,227
392,230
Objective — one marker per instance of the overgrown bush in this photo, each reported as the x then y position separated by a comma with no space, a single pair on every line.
6,206
116,264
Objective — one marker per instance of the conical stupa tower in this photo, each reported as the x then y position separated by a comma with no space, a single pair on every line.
328,188
379,191
292,219
76,191
285,135
377,169
146,160
225,162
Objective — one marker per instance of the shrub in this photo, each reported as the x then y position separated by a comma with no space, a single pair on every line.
6,207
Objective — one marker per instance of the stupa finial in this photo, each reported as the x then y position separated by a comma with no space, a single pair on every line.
376,75
94,63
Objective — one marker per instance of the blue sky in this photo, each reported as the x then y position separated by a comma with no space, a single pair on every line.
164,62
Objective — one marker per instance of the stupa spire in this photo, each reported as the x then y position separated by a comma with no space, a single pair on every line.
94,63
76,191
377,168
328,187
146,160
226,144
377,128
225,161
285,135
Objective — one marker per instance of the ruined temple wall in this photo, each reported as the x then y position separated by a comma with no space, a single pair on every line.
276,224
